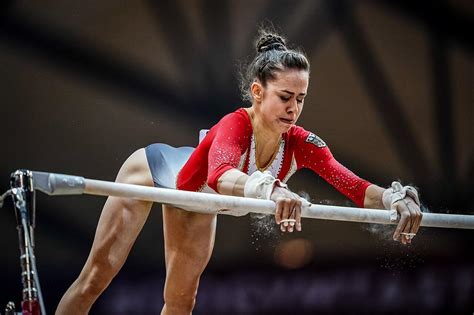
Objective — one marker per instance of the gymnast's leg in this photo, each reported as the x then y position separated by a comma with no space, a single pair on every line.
120,222
189,240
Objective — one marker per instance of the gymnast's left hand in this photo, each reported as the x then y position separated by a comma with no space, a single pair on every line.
288,209
410,220
404,203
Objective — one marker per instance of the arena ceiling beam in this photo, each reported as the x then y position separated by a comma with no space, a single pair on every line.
73,54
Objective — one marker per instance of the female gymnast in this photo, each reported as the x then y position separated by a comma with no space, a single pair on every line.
251,152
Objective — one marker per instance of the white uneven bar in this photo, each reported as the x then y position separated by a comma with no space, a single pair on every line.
214,203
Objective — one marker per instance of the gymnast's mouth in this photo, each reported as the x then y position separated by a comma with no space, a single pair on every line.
287,121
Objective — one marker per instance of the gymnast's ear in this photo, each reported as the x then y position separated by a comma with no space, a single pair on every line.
257,91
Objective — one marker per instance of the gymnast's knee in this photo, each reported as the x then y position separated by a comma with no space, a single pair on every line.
179,303
94,279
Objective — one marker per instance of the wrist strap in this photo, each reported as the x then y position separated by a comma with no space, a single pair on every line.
260,185
396,193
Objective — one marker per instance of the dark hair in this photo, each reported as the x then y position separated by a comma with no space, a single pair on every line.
272,56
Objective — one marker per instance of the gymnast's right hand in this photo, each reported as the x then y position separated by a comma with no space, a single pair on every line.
288,209
263,185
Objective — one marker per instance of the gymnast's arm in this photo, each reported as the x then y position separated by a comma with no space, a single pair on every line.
364,193
321,161
232,182
373,197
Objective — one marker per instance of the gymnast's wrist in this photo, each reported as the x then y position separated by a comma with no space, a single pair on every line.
395,193
398,192
261,185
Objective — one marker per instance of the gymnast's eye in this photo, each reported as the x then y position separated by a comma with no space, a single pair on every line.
300,101
285,98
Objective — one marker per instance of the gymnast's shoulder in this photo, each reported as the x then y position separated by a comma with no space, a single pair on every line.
301,136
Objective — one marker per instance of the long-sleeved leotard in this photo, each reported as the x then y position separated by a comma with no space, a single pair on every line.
231,144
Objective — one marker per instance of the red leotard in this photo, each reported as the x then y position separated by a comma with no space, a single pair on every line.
230,144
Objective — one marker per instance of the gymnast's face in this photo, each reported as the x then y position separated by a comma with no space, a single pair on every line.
280,102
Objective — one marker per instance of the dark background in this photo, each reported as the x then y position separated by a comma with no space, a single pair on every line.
83,84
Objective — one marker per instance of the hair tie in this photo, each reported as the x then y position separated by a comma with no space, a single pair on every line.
276,46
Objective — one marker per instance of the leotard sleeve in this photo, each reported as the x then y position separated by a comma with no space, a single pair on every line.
313,153
230,141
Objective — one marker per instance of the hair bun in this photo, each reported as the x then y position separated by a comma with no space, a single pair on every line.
269,42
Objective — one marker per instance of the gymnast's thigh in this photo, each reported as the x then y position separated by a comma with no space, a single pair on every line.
188,234
122,218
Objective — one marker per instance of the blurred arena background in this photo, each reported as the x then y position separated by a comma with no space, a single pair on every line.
83,84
